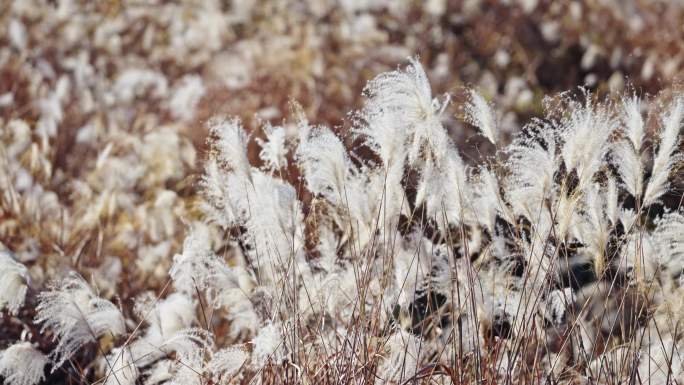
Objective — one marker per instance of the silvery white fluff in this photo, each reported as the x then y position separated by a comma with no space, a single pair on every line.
496,299
585,134
627,152
526,188
274,225
190,346
669,244
14,283
197,267
665,159
330,174
443,189
405,97
326,165
229,288
629,166
238,194
231,145
638,259
487,199
268,345
75,315
400,361
160,372
226,363
184,370
274,149
334,293
167,319
412,265
661,361
480,114
556,304
173,313
120,368
408,121
614,364
378,128
633,121
22,364
657,255
593,225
